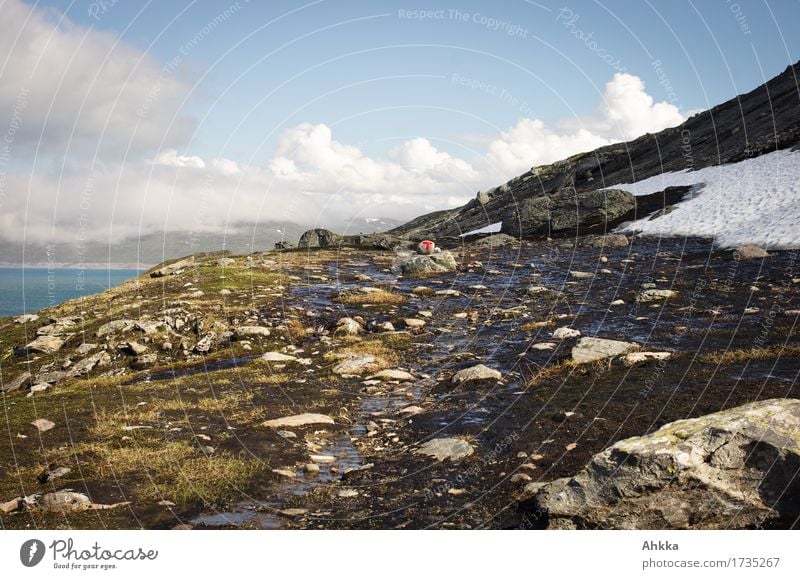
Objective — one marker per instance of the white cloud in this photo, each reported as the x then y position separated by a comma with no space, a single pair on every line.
170,158
76,93
83,90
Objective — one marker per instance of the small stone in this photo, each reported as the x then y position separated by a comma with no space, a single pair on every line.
286,434
544,346
43,425
521,477
479,372
565,332
347,493
537,289
311,468
593,349
641,357
571,446
618,303
654,295
278,357
414,323
285,472
392,375
750,252
348,327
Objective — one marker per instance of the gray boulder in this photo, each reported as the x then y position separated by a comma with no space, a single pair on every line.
318,238
593,349
419,265
568,211
22,381
733,469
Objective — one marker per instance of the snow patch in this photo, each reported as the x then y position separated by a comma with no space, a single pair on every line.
493,228
754,201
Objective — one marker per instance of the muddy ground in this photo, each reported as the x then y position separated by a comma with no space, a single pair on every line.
183,442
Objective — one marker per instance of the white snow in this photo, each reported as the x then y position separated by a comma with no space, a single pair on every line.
754,201
493,228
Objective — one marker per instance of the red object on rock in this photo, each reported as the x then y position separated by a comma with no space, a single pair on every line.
426,247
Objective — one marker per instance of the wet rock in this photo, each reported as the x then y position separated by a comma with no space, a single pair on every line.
411,410
446,448
24,380
144,361
418,265
655,295
278,357
617,303
356,365
728,470
299,420
114,327
44,345
637,358
593,349
174,268
746,252
322,458
479,372
43,425
348,327
392,375
247,332
521,477
608,241
285,472
581,274
422,291
565,332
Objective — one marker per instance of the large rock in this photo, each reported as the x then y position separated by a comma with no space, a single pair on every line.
44,345
86,365
446,448
114,327
299,420
593,349
175,268
474,373
318,238
734,469
22,381
567,211
418,265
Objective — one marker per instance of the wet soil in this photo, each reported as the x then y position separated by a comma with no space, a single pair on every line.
728,329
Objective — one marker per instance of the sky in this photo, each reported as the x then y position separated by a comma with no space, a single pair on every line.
123,118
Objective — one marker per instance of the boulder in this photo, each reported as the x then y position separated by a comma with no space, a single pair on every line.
348,327
114,327
746,252
144,362
44,345
173,268
479,372
26,318
568,212
496,240
733,469
655,295
565,332
355,365
426,247
446,448
392,375
86,365
593,349
419,265
318,238
22,381
278,357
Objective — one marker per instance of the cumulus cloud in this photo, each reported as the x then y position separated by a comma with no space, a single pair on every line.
171,158
625,112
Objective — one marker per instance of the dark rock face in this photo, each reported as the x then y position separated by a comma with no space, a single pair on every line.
761,121
319,238
569,212
729,470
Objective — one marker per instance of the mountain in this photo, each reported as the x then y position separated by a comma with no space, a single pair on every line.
764,120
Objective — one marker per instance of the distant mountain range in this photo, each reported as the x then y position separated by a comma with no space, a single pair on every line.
151,249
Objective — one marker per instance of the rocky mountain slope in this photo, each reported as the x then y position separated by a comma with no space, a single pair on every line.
758,122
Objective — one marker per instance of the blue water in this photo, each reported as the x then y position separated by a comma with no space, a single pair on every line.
26,290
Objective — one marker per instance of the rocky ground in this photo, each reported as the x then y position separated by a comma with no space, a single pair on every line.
325,389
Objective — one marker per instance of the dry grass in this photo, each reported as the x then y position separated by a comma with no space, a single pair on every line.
378,297
531,326
751,354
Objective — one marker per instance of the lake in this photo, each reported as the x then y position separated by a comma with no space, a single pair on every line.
29,289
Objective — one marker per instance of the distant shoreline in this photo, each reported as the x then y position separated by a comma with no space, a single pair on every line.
45,265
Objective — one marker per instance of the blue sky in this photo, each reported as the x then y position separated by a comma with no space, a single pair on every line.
325,107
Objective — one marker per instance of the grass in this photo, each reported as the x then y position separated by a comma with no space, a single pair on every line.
751,354
378,297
